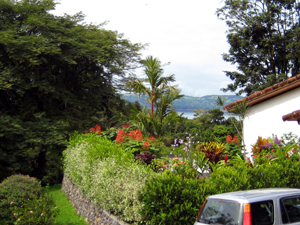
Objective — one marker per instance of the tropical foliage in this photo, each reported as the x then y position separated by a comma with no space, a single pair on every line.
168,184
57,75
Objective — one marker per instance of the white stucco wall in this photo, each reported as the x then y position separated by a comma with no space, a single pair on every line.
265,118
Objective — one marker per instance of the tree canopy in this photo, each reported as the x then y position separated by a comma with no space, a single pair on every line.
57,75
264,42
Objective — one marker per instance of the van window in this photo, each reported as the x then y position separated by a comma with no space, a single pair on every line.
262,213
290,209
220,212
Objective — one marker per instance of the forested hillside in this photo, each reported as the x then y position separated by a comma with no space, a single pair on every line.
187,102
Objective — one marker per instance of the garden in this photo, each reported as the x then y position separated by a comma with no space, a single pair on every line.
139,179
154,166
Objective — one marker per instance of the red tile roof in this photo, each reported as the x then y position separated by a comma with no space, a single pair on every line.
267,93
294,116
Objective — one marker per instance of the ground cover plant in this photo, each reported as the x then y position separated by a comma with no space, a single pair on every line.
67,214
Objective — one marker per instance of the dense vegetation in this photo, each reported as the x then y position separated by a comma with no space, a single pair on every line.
142,181
57,75
264,42
186,102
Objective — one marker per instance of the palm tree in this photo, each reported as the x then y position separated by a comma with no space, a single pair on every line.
157,83
164,103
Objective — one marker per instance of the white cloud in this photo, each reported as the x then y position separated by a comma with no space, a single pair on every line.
187,34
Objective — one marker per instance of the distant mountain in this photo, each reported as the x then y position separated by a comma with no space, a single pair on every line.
187,102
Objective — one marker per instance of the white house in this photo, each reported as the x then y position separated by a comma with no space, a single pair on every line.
273,110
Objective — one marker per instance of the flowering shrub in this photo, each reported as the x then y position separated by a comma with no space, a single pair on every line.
19,194
274,149
36,211
183,168
259,145
233,146
95,130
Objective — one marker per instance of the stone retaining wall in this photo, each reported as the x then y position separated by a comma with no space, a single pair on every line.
83,206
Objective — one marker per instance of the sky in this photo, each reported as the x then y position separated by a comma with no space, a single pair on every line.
187,34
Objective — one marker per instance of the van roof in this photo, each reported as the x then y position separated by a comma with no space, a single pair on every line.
256,194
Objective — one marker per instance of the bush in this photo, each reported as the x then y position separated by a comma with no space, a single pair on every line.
20,194
106,173
168,199
114,187
214,151
230,178
144,157
36,211
285,173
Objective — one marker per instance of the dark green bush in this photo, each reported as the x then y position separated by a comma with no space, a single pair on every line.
230,178
168,199
16,193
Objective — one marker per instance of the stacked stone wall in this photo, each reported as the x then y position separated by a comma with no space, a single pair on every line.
94,215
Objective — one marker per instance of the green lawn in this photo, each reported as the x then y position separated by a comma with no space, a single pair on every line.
67,214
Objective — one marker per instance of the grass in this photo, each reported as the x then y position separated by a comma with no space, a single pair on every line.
67,214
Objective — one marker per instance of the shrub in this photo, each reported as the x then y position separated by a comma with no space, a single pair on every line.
214,151
20,191
228,179
114,187
106,173
283,173
168,199
145,157
36,211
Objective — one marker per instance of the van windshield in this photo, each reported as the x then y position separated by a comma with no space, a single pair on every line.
220,212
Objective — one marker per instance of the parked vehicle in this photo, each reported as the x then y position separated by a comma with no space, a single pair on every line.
270,206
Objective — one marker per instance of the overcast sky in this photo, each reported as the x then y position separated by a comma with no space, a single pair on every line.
187,34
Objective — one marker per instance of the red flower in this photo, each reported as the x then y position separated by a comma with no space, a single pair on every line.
96,129
232,140
228,139
152,139
146,145
226,158
125,126
287,155
138,135
120,136
235,139
132,135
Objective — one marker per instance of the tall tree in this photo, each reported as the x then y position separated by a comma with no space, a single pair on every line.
264,40
56,76
155,84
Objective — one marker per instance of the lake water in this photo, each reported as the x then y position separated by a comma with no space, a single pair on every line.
190,114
